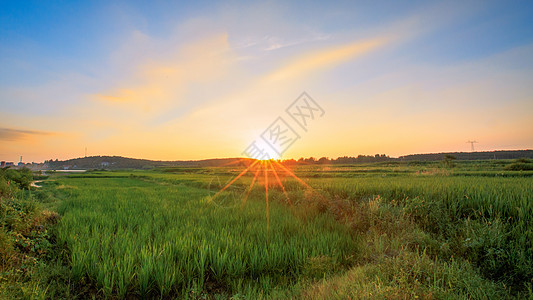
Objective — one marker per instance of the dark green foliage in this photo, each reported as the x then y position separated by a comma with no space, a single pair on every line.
520,165
25,242
21,177
487,221
448,160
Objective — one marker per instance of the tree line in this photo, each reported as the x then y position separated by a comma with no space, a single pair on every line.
339,160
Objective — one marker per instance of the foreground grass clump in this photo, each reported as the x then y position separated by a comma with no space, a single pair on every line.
26,243
406,276
400,261
131,237
487,221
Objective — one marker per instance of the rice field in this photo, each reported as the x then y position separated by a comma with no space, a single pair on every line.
355,231
130,236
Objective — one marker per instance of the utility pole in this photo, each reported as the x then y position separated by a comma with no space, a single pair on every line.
472,144
85,151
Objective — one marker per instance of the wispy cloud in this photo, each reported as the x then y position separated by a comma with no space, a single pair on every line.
325,58
10,134
159,82
276,43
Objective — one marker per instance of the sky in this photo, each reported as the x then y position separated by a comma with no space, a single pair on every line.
172,80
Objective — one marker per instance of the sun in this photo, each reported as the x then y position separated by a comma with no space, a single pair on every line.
262,151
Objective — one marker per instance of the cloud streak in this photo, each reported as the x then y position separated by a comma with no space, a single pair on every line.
13,135
275,43
159,84
325,58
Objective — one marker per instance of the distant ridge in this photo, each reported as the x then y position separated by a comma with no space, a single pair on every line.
119,162
482,155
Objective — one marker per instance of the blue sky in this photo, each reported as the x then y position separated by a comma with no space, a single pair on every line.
180,80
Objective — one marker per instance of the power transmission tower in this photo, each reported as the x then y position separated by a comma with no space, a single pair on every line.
472,144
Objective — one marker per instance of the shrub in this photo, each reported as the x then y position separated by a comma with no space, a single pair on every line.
520,166
22,177
6,248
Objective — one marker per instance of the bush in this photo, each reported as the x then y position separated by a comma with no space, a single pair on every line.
520,166
6,187
21,177
6,248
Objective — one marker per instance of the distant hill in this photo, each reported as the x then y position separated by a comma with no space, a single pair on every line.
501,154
119,162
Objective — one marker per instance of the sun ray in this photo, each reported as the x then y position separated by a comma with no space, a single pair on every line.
303,182
266,196
293,175
250,188
232,181
279,182
238,161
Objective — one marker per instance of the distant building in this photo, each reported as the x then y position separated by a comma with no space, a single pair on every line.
10,164
20,164
2,164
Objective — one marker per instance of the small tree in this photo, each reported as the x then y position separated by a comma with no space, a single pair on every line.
449,160
323,160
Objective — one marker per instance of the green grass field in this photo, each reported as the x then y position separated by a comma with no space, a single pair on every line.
387,230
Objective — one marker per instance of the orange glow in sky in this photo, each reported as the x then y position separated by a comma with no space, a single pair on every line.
167,82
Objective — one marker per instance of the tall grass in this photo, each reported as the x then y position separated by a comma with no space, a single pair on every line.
134,237
487,220
156,233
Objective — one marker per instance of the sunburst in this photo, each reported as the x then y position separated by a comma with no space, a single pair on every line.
265,167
